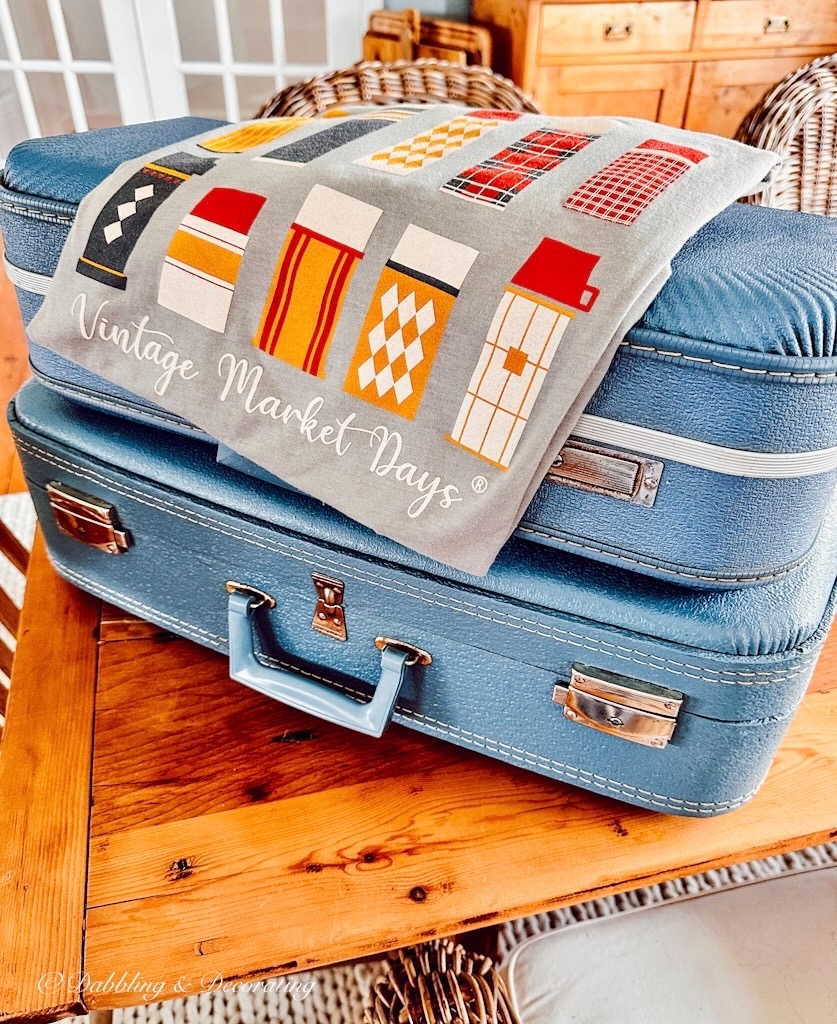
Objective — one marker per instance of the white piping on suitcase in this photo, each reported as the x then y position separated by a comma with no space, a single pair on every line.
505,751
702,455
441,600
642,440
38,284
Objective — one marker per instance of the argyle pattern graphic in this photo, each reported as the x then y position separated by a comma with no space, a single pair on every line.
113,230
412,154
395,344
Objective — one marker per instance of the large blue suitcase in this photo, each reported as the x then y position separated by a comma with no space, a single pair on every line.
667,697
708,455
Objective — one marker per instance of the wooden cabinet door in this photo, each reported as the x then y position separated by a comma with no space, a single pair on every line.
724,91
656,92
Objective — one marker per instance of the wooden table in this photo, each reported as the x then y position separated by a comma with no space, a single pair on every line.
229,836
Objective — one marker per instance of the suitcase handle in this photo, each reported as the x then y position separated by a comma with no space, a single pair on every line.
297,691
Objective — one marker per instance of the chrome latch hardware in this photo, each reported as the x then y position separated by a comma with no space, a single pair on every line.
620,706
88,519
613,474
329,615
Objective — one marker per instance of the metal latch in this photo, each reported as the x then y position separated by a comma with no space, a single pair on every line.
88,519
613,474
329,615
631,708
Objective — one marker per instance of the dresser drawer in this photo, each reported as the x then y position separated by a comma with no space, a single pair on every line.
571,29
734,24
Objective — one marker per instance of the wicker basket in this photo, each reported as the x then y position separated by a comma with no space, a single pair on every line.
439,982
401,81
798,120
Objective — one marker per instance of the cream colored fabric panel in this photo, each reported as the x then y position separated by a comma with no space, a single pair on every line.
763,953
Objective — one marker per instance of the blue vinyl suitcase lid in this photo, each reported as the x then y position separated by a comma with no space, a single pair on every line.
753,622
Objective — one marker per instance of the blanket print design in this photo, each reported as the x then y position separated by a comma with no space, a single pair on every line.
497,180
406,320
435,143
323,246
126,214
521,344
204,256
252,135
305,150
628,185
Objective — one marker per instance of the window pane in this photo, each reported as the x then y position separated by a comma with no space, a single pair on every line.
305,31
196,29
250,30
34,29
12,125
86,29
253,92
101,103
206,96
51,103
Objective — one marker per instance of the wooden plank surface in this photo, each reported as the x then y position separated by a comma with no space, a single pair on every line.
45,765
239,839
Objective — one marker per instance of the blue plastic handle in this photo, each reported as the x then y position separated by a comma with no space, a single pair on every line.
295,690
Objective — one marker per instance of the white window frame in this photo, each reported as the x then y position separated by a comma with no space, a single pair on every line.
146,62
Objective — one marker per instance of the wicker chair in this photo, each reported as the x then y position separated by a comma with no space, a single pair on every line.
401,81
798,120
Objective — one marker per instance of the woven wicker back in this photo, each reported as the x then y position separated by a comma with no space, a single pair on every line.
401,81
798,120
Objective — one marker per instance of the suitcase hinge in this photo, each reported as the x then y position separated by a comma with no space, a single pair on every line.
631,708
88,519
329,615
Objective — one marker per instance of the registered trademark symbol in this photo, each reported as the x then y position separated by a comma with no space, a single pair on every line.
479,484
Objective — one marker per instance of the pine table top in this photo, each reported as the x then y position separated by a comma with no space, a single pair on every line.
164,826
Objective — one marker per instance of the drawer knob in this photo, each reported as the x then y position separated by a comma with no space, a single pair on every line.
777,25
615,30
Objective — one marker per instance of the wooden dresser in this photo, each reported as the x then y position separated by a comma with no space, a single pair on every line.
699,64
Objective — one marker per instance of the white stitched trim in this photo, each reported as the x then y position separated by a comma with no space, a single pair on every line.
504,751
444,601
729,366
655,565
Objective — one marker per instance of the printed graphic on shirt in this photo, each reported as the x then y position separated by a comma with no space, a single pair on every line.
435,143
303,151
497,180
629,184
249,136
541,300
204,256
126,214
406,319
322,248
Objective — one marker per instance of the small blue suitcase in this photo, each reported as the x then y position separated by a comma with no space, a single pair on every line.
668,697
708,455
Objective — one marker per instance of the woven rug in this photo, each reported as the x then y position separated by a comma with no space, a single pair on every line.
336,995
